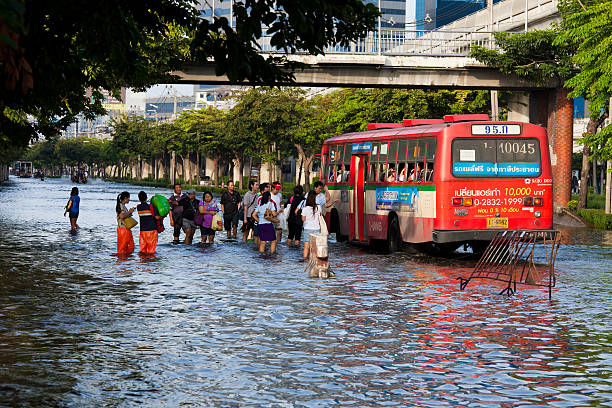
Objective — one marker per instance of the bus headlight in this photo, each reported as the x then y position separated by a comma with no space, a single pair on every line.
537,214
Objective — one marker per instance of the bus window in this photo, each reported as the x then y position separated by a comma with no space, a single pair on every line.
411,157
419,173
430,155
391,160
346,172
400,172
516,157
382,161
373,162
339,164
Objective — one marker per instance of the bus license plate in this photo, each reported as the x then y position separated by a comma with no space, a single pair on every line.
497,222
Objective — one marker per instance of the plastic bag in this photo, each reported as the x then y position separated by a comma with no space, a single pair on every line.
217,222
282,218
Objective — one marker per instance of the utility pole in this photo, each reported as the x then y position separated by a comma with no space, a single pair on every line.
174,115
494,98
379,29
526,13
609,170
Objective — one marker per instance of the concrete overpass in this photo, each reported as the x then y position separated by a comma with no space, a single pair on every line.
374,71
403,58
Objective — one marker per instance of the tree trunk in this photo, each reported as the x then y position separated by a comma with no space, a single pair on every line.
215,175
173,167
299,176
279,168
591,129
594,177
306,163
198,168
602,177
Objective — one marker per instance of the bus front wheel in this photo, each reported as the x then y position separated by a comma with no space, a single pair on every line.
394,237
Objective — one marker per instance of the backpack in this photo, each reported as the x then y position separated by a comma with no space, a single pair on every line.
159,223
293,217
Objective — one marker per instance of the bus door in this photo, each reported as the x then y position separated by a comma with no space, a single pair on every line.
359,166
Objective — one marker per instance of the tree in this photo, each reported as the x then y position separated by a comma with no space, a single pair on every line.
588,31
51,53
354,109
266,119
540,56
310,134
534,55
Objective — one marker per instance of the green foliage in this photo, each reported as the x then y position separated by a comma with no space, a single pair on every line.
572,205
57,56
356,108
589,32
597,218
597,201
534,55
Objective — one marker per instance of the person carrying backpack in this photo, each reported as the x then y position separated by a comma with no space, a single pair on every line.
294,218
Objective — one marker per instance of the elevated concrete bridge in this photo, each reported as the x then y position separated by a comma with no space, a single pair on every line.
403,58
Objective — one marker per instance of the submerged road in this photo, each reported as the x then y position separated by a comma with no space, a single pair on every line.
224,326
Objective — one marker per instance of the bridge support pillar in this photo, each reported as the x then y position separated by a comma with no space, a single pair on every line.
518,107
560,129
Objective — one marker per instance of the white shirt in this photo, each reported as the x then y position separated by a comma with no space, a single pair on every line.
311,222
277,200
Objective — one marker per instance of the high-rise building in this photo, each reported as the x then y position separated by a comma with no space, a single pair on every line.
396,14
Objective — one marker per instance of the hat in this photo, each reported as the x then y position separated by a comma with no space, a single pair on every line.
276,186
192,191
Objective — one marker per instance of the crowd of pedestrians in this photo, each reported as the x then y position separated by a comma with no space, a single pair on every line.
260,212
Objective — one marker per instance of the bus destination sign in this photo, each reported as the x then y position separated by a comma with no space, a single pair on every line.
361,147
510,129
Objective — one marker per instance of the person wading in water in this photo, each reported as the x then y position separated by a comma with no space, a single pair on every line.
176,213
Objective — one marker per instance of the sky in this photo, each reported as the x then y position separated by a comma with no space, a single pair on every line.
137,98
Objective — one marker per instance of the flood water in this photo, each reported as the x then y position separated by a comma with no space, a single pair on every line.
224,326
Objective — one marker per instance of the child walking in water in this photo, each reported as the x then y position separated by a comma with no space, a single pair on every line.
72,208
148,225
125,240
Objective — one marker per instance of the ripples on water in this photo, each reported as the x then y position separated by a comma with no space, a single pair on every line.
223,326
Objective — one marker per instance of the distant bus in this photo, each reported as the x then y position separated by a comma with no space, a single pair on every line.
439,183
23,169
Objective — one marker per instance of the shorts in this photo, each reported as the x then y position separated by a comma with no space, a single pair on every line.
73,215
267,233
295,231
189,224
256,230
307,233
207,232
229,220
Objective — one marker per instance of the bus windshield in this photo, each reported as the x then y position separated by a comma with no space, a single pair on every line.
496,157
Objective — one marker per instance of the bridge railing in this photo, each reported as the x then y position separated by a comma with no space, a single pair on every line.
396,42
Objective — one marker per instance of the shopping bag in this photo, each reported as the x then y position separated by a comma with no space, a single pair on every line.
217,222
282,218
323,225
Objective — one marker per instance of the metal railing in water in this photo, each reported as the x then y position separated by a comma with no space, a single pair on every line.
510,258
405,43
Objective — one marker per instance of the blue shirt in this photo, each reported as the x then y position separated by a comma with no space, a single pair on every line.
74,208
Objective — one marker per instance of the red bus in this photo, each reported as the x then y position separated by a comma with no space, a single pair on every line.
439,183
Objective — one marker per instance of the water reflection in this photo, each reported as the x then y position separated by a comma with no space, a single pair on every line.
221,326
